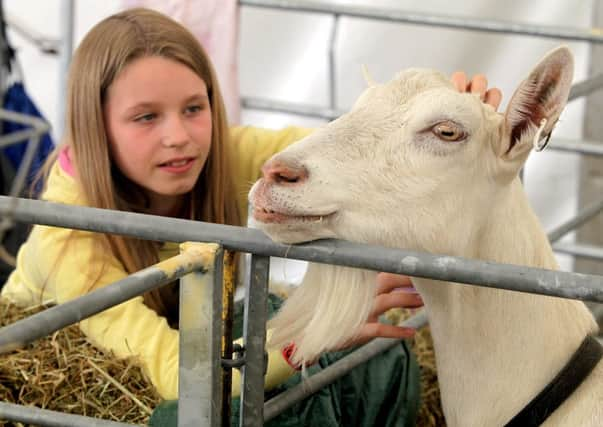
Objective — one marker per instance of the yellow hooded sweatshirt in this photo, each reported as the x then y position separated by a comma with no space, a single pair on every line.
58,264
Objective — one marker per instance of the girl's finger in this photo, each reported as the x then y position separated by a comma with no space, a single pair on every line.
493,97
478,85
381,330
391,300
386,282
459,79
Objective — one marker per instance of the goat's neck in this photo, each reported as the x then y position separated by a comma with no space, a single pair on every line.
491,343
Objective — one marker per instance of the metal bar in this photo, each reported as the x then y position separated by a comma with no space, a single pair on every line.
338,369
333,64
330,251
584,215
580,250
65,52
7,221
22,173
578,89
254,336
45,44
50,320
39,124
44,417
447,21
227,332
18,136
290,108
589,148
200,367
40,127
586,87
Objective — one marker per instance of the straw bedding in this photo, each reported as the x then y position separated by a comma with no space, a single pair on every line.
430,412
63,372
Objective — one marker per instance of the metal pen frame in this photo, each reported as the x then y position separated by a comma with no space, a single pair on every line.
201,296
331,112
200,265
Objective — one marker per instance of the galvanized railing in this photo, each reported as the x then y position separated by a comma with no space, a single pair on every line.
592,35
203,385
337,10
38,127
199,267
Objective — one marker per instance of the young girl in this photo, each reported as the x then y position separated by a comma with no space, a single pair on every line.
146,132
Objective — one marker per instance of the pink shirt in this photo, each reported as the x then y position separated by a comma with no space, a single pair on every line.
65,161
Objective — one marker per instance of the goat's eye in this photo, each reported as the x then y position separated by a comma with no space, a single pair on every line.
448,131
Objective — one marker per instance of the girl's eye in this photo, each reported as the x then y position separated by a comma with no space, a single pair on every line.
145,117
448,131
192,109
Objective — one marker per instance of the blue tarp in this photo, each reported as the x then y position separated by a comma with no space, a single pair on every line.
16,99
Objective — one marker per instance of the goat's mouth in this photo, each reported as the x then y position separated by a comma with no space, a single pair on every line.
269,216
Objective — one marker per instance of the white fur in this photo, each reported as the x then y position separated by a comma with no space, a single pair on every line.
380,175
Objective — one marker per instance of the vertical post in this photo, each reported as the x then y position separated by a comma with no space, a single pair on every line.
591,185
254,335
333,64
227,319
65,52
200,371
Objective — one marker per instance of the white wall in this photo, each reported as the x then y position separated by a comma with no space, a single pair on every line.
284,56
42,71
291,64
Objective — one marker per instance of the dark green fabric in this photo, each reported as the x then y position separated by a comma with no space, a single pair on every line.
382,392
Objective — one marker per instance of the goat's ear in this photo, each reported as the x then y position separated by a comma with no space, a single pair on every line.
536,105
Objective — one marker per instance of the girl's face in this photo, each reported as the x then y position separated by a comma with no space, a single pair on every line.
159,125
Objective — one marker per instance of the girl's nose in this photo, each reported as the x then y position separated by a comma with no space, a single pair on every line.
278,172
175,133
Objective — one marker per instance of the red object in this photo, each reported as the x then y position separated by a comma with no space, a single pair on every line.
287,353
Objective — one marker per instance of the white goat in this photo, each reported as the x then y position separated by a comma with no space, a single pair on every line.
417,165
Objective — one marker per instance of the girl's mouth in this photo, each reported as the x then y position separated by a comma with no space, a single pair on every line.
178,165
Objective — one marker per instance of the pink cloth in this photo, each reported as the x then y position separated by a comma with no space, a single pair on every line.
215,23
65,161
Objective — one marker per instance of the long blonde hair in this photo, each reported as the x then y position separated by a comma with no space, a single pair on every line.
102,55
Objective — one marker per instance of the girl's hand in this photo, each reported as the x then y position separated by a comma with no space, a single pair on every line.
392,291
479,85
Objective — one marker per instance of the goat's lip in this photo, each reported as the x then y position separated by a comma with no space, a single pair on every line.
268,216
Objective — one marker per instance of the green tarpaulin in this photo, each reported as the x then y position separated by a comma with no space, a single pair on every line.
382,392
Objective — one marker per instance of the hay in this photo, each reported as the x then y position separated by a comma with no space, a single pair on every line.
65,373
430,411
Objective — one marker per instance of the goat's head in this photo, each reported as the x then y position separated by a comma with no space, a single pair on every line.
398,160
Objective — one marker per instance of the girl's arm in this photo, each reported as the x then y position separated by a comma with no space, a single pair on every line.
60,264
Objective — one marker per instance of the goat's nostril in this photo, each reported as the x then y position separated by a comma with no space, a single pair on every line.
284,174
286,178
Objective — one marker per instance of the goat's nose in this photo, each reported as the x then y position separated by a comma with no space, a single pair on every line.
281,173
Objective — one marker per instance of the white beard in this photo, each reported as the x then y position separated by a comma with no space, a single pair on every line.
325,311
